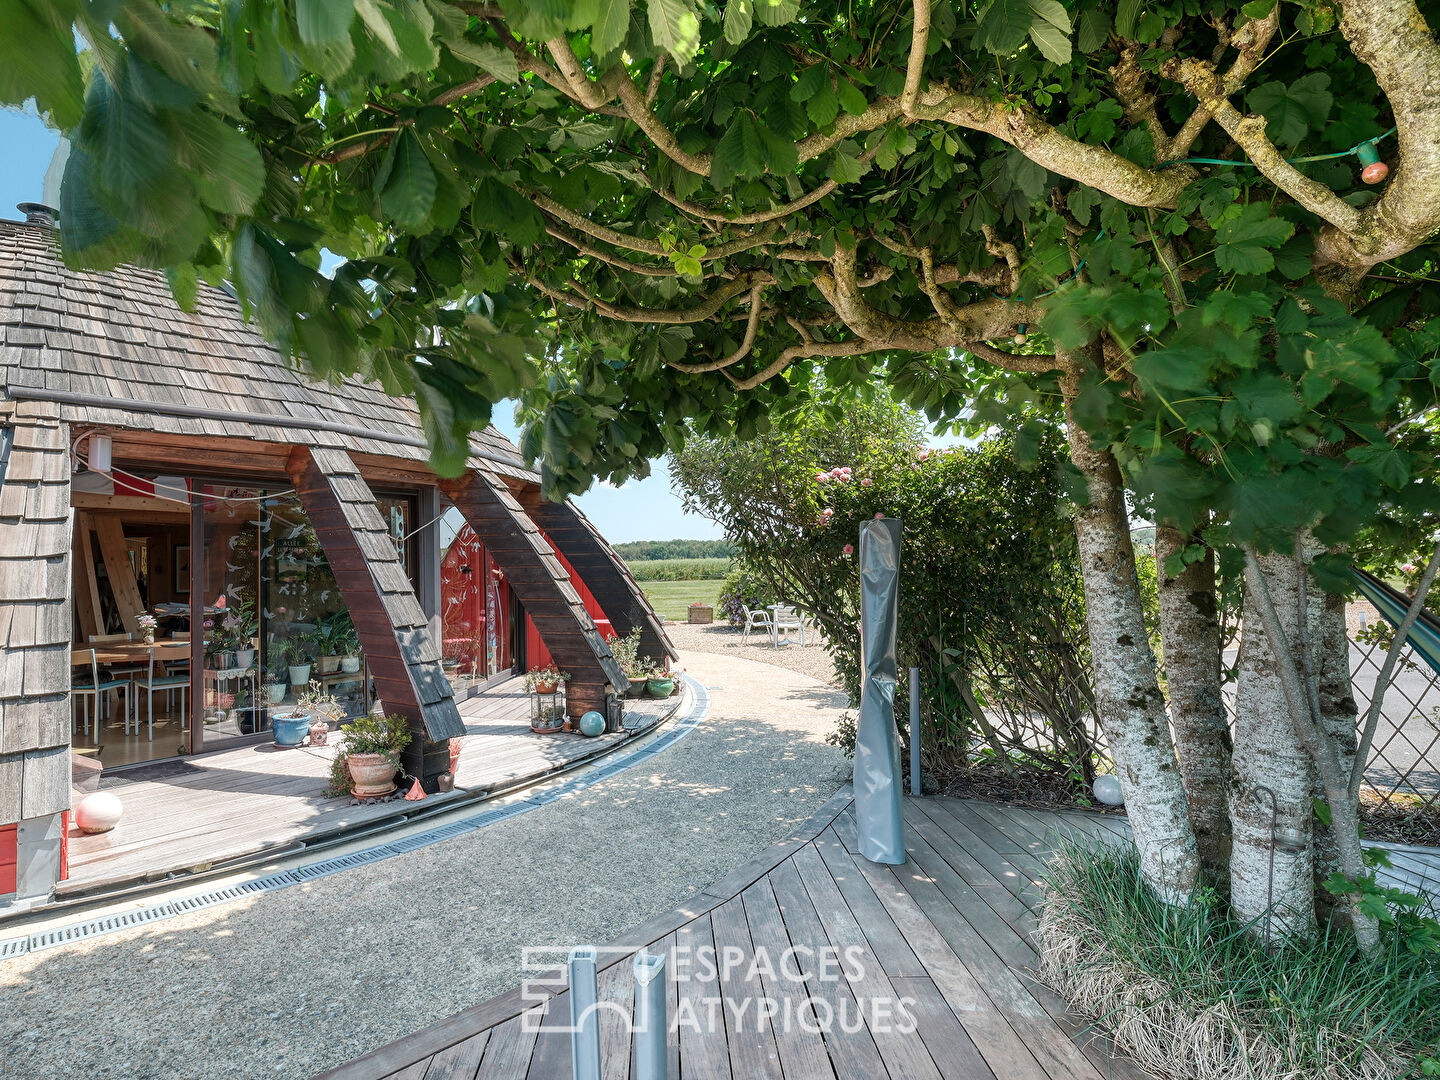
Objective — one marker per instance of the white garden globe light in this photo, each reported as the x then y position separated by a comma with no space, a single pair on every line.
98,813
1107,790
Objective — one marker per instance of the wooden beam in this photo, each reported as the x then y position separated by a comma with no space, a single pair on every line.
139,504
87,589
541,584
392,626
117,567
602,570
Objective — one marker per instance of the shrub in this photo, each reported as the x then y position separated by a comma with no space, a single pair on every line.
991,605
743,588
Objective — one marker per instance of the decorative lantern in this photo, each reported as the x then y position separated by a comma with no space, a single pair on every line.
547,710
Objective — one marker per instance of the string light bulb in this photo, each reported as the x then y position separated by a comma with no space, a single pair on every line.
1374,170
1020,335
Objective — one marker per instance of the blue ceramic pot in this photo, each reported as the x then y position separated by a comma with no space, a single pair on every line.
290,729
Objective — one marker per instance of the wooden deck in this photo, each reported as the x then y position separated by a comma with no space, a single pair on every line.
946,940
215,808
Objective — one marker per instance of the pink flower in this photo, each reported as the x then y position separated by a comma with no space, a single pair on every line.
878,515
849,549
280,611
865,481
828,512
1408,568
923,454
837,472
822,477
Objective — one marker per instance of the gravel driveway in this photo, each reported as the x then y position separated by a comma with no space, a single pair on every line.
811,659
291,982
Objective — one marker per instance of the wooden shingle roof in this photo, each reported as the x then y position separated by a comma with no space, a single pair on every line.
115,349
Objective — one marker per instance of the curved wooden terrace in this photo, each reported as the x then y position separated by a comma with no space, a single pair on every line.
260,800
952,931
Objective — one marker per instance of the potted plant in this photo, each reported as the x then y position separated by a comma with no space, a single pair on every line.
326,638
147,624
372,753
660,683
545,680
298,658
349,646
314,706
243,626
276,682
547,717
636,668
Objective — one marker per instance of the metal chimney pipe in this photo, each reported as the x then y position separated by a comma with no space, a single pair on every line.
39,214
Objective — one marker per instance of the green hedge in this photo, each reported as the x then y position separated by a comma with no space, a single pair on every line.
679,569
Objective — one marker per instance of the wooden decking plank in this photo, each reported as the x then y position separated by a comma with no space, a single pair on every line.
802,1050
507,1057
1021,881
410,1072
461,1061
617,997
944,1036
852,1053
753,1053
904,1056
703,1052
891,949
550,1060
990,1031
736,881
999,899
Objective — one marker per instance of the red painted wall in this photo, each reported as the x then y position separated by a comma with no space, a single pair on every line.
7,859
536,655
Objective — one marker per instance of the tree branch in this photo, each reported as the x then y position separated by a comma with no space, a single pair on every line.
751,325
1037,364
579,298
1251,41
915,65
1249,132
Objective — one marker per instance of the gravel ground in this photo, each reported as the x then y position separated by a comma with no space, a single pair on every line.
726,640
295,981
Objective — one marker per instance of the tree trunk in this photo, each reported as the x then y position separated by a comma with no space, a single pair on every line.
1128,698
1273,779
1338,718
1190,632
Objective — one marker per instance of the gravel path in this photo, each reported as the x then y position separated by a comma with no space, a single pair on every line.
295,981
726,640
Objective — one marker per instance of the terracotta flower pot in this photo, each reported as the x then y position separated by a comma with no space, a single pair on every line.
371,775
545,687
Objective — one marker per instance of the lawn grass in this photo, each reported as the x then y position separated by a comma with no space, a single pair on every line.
673,598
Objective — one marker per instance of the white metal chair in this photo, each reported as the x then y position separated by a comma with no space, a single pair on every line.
129,671
756,619
786,619
168,683
89,684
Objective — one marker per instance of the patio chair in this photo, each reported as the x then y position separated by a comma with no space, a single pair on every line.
786,619
756,619
167,683
88,684
128,671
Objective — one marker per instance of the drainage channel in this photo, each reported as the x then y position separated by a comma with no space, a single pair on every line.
408,837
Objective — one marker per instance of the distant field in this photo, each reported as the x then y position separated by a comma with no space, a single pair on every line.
673,598
678,569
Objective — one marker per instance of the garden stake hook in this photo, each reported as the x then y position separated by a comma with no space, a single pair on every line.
1270,880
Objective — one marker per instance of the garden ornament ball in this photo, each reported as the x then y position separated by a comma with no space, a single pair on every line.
1107,790
98,813
592,723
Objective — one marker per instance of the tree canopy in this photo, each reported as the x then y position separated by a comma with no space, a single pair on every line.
708,214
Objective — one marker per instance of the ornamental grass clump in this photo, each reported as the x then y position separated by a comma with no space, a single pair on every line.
1190,992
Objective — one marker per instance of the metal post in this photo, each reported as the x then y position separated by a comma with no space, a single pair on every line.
648,1057
914,731
584,1017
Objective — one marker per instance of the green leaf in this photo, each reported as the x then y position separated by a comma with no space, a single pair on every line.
811,81
675,28
738,19
229,173
739,153
409,193
851,99
776,12
845,169
1292,111
1004,24
824,107
1126,12
1093,30
612,23
1050,30
1244,242
490,59
1257,9
324,22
